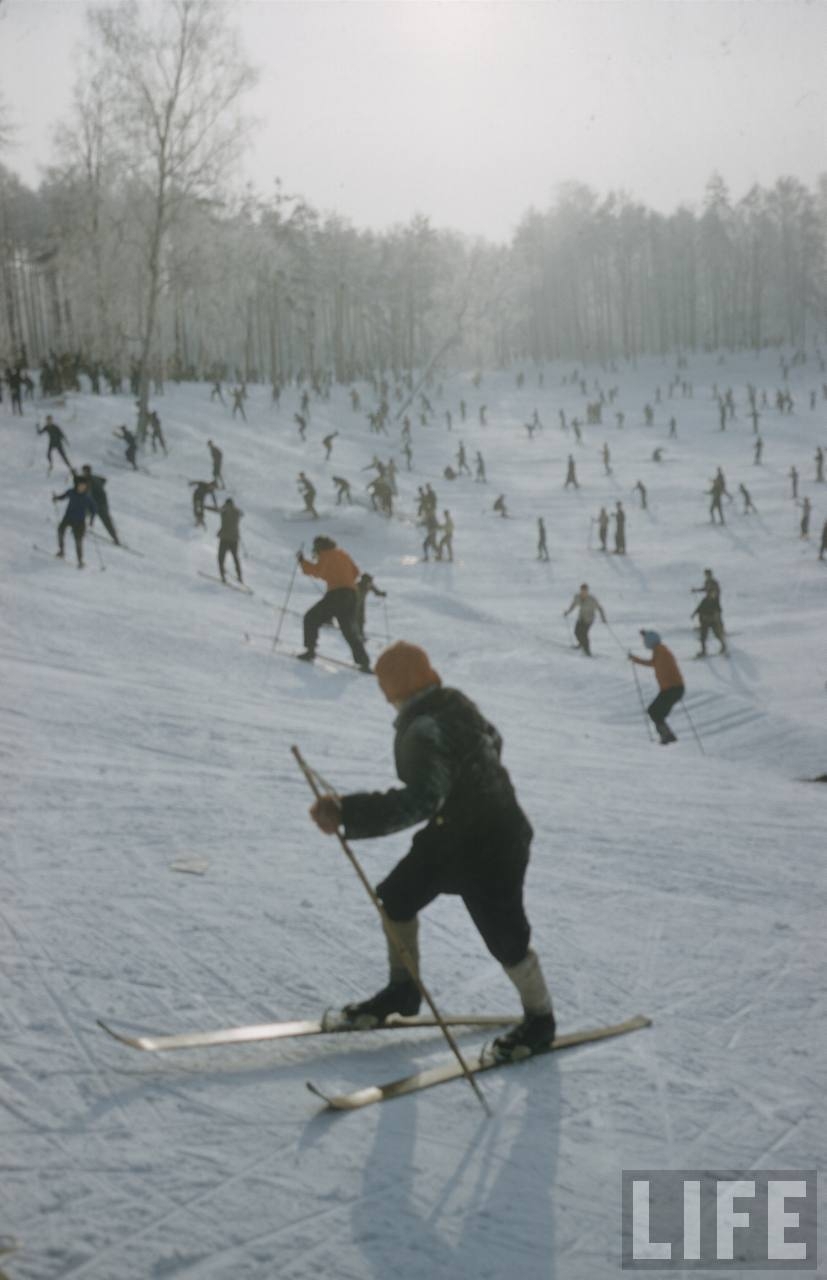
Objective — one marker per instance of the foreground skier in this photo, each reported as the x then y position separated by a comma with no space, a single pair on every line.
475,844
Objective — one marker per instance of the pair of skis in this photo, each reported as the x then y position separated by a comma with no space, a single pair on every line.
355,1100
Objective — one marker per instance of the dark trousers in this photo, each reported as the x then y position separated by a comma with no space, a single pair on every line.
667,698
340,603
78,531
581,635
495,906
223,548
131,453
57,448
106,521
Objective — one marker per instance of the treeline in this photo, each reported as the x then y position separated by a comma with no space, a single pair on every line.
132,253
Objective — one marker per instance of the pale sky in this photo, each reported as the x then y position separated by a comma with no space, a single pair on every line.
471,112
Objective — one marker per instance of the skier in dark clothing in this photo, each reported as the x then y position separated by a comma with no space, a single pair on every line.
201,490
217,458
710,618
823,547
239,394
670,683
603,527
57,440
79,506
156,435
342,489
123,433
363,586
475,844
542,545
228,536
97,492
620,529
336,569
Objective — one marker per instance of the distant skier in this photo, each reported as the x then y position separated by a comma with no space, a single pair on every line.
711,587
479,473
217,459
607,460
342,490
201,490
308,491
710,616
475,844
239,396
78,507
794,483
216,390
431,530
640,488
336,569
365,586
587,606
603,528
129,439
819,461
97,492
499,506
228,536
806,510
823,547
619,516
757,451
446,542
57,440
156,435
571,474
327,441
749,505
670,683
542,545
462,460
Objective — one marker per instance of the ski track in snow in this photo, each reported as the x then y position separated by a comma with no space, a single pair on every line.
146,720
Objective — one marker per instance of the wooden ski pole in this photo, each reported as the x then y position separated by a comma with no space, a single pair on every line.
286,598
642,703
694,730
392,934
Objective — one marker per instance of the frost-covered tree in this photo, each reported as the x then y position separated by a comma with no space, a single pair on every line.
176,76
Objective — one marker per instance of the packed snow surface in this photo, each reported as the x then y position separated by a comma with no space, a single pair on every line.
146,722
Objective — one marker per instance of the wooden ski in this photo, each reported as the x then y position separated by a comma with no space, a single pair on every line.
432,1076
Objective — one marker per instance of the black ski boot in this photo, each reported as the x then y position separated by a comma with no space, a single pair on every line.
307,656
665,733
533,1035
396,997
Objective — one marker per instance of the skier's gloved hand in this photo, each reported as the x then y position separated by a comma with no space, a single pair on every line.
327,814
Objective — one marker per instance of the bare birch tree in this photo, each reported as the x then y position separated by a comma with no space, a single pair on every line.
177,77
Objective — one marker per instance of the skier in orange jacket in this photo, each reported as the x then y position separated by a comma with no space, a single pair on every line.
670,683
336,569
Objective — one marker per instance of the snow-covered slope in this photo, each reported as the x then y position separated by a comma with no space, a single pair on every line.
145,721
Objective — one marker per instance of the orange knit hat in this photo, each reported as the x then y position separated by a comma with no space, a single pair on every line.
403,670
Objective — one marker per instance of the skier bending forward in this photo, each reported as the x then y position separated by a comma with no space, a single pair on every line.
475,844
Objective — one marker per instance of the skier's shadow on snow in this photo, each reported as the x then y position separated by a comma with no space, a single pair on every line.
458,1207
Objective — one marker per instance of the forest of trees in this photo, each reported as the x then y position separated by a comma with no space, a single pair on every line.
136,250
